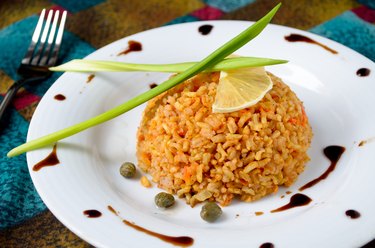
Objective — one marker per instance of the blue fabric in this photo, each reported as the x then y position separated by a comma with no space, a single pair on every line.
18,197
182,19
77,5
228,5
351,31
368,3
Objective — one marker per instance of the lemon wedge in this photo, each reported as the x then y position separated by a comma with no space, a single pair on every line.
241,88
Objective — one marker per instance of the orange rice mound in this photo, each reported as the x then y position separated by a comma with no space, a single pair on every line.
205,156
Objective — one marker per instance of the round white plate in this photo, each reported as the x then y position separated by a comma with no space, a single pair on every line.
338,103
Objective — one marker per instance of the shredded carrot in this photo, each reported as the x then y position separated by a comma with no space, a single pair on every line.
187,174
263,109
293,121
244,182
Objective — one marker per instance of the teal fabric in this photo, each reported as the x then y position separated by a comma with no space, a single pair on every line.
18,197
368,3
78,5
182,19
228,5
342,28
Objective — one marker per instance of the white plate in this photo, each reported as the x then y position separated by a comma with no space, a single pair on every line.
339,105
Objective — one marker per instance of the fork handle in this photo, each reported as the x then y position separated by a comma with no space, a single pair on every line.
8,99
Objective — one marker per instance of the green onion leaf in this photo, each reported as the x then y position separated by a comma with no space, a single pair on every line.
85,65
212,59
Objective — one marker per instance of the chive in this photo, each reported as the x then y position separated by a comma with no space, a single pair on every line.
212,59
83,65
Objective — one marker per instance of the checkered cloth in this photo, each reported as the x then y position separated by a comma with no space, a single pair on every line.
24,219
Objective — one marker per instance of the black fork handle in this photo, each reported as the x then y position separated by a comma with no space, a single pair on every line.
9,95
12,91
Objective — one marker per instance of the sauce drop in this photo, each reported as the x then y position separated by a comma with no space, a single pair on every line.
302,38
362,143
178,241
205,29
258,213
59,97
333,153
50,160
133,46
353,214
267,245
90,78
297,200
153,85
92,213
363,72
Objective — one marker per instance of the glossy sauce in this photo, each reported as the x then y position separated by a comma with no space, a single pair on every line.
205,29
333,153
178,241
362,143
50,160
353,214
133,46
267,245
92,213
153,85
90,77
363,72
302,38
60,97
297,200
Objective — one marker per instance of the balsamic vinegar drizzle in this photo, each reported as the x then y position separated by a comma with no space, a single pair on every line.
153,85
363,72
333,153
92,213
180,241
205,29
267,245
353,214
297,200
59,97
302,38
50,160
364,142
90,77
133,46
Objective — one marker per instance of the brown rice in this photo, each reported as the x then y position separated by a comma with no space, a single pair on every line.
200,155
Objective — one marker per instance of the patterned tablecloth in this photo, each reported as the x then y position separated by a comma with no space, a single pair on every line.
24,219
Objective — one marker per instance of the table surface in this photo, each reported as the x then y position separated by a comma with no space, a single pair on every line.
24,219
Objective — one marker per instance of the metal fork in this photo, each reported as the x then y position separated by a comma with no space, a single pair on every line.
41,54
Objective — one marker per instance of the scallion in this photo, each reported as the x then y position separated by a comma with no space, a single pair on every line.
211,60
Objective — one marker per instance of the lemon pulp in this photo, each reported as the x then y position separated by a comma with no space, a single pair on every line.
241,88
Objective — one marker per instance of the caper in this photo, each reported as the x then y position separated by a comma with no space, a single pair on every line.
164,200
210,212
127,170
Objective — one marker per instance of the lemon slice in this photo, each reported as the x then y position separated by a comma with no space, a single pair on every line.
240,88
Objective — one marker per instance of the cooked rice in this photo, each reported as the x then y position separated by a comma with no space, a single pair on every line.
200,155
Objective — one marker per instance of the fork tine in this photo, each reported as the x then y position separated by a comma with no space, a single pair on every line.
34,39
51,38
35,60
59,36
